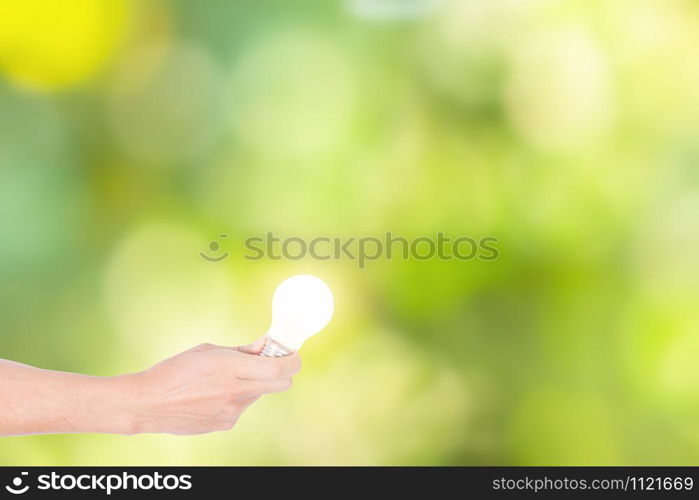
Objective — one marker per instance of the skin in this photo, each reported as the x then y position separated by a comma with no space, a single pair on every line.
203,389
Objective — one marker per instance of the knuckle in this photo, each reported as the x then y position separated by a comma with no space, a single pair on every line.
226,425
232,414
226,420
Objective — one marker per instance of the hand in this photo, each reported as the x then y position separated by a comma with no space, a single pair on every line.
207,388
200,390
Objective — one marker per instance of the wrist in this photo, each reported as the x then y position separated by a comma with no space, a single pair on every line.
123,413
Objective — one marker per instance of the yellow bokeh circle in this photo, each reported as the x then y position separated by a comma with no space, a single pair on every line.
50,44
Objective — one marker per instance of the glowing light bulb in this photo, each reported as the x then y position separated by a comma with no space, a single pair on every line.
301,307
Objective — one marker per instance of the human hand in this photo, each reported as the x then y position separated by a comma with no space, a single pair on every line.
206,388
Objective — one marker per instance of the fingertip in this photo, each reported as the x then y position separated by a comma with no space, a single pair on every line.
294,362
254,348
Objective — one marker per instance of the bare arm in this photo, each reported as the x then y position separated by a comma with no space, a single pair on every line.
200,390
34,401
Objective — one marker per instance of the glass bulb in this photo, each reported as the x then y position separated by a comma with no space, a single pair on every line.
301,307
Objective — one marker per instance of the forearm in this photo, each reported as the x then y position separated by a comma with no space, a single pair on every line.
202,389
36,401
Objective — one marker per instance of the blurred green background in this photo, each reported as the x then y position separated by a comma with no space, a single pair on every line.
132,133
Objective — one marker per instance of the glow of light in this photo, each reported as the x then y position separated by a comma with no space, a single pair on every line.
301,307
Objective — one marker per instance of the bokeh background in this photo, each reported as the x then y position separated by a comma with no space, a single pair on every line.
132,133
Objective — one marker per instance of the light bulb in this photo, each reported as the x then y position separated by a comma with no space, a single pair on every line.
301,307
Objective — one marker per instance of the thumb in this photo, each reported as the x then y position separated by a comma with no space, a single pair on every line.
254,348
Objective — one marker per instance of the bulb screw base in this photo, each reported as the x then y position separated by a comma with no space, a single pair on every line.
274,349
